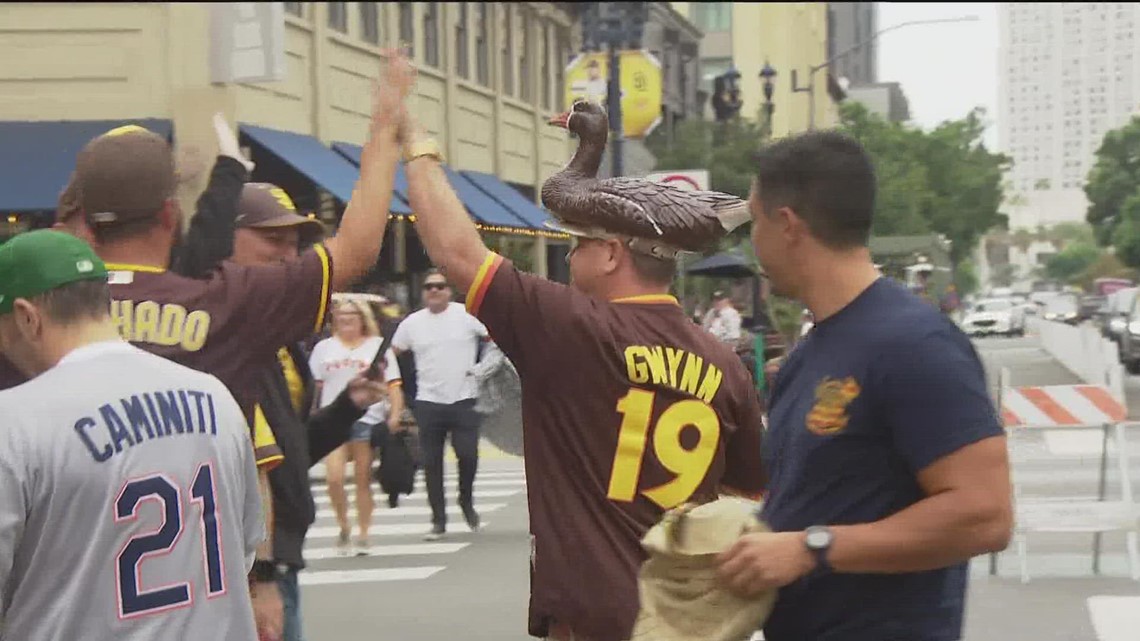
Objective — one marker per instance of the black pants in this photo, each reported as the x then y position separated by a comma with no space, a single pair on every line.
435,422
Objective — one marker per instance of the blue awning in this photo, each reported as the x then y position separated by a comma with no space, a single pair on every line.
534,216
37,158
484,209
399,204
318,163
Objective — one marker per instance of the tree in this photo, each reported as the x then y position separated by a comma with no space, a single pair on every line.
1114,178
966,277
725,149
942,181
1071,261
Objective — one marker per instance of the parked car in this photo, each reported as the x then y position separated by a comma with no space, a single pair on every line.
1130,339
1063,308
1113,316
1089,306
993,316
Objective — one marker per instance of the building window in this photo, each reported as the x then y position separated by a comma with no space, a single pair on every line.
482,60
544,65
431,33
370,22
562,51
295,8
712,16
462,66
508,55
338,16
524,60
408,27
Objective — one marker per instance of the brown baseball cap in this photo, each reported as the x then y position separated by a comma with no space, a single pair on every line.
264,205
125,175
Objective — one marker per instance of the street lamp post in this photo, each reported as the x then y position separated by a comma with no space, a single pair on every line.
810,87
767,75
614,26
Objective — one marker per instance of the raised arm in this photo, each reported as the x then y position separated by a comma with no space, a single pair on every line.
210,239
448,234
357,244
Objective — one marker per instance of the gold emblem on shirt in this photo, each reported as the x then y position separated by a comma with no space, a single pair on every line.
832,396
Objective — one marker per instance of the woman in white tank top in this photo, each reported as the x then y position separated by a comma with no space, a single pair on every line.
334,362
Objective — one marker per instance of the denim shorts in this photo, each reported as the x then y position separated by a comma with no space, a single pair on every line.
361,431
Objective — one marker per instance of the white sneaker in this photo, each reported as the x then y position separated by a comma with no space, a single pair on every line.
362,547
435,534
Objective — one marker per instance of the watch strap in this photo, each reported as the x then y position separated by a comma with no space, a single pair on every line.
263,571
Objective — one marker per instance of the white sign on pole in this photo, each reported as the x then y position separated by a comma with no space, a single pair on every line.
687,179
247,42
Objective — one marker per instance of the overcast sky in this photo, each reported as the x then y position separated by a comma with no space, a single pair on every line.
944,69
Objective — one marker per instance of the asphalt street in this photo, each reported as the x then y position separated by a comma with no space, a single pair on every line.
474,586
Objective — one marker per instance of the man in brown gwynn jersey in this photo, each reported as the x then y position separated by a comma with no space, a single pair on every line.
628,407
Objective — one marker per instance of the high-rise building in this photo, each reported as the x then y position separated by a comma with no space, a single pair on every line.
1068,73
848,25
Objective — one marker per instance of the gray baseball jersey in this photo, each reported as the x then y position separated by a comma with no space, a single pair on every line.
129,506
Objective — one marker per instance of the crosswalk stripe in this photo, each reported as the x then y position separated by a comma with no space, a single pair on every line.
323,497
331,577
387,529
414,510
1114,618
414,549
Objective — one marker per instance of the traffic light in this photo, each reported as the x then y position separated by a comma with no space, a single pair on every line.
726,101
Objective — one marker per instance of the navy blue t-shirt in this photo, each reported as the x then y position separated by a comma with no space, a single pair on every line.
870,397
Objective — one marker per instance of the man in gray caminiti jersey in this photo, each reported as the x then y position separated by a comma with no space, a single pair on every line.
129,505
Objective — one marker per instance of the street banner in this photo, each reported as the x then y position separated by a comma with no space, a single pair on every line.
641,87
687,179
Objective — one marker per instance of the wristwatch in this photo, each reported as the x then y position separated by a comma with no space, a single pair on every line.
818,540
264,571
420,148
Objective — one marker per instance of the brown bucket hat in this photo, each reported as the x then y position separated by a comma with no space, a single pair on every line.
265,206
125,175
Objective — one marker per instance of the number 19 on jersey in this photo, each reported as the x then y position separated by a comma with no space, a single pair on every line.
689,465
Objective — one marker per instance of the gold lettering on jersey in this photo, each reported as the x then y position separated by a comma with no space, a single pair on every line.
673,367
168,325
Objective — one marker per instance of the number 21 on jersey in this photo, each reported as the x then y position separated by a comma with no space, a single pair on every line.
689,465
133,600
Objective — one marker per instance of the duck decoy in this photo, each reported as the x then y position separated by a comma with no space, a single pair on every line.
684,220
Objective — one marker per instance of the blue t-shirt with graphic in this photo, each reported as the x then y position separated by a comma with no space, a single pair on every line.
870,397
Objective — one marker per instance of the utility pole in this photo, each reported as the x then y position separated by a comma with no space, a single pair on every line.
611,27
810,87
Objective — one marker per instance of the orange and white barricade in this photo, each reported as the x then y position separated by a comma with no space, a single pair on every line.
1068,408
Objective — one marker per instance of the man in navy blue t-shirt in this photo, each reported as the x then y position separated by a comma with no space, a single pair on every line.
887,463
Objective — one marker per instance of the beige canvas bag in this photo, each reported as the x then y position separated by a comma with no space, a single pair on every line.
681,599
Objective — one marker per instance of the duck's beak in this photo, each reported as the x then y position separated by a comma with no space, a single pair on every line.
561,120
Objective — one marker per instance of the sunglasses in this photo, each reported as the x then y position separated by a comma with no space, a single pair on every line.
435,286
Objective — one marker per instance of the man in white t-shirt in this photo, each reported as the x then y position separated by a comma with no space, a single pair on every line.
723,321
445,340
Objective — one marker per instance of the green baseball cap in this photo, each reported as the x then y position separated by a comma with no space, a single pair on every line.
39,261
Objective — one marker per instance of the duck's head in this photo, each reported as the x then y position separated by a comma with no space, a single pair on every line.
586,119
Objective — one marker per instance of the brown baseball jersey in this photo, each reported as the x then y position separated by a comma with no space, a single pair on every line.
629,409
229,325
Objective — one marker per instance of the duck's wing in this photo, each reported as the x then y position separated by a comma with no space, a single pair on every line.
686,219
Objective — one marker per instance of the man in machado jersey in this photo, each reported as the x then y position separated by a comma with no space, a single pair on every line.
629,409
232,323
129,506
